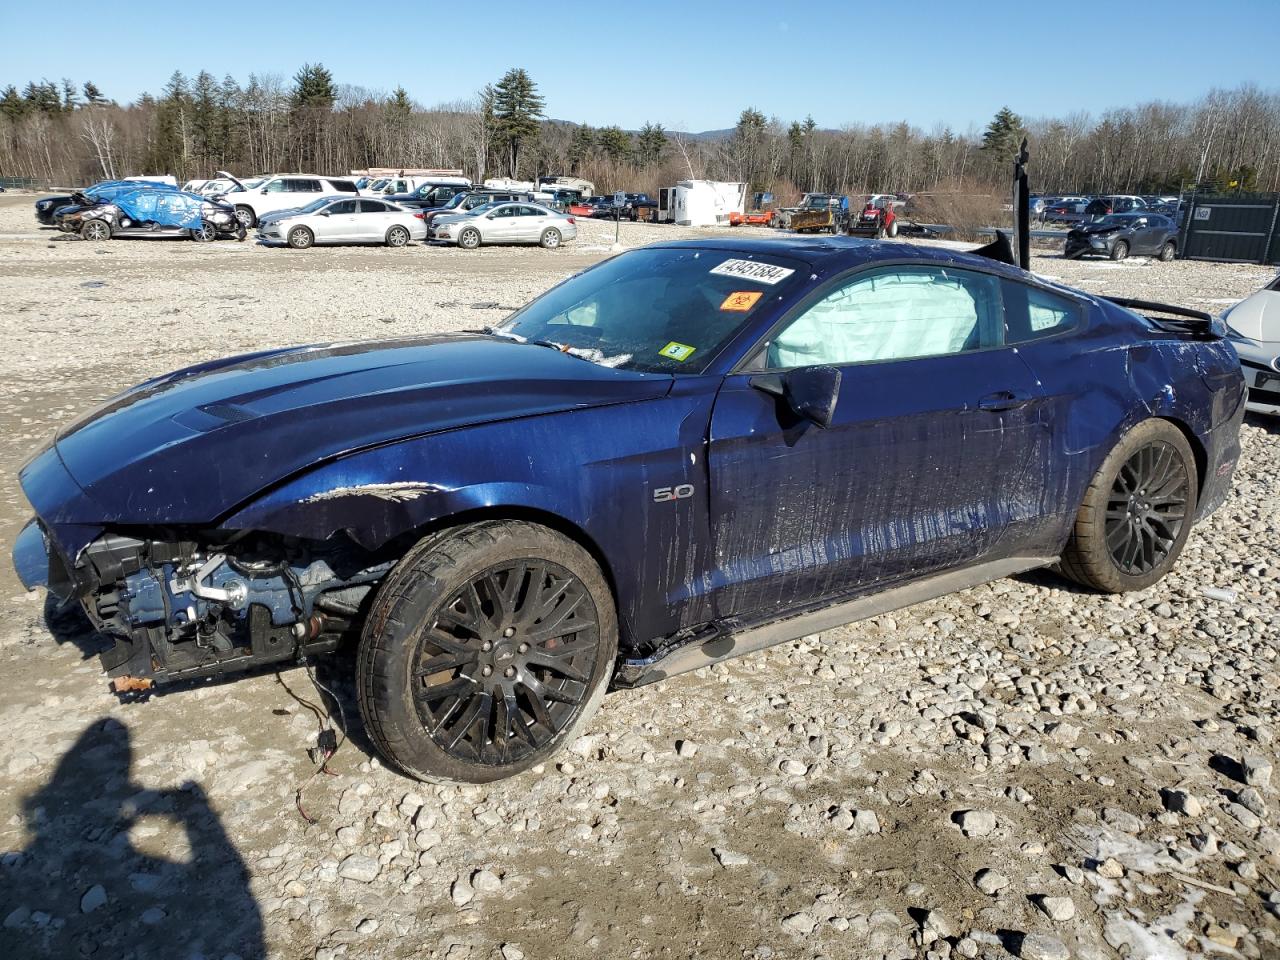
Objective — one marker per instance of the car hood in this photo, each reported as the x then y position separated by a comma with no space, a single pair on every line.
1257,317
1096,228
188,447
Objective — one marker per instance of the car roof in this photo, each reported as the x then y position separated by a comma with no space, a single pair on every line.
835,254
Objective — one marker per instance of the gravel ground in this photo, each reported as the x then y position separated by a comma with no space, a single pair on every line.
1020,769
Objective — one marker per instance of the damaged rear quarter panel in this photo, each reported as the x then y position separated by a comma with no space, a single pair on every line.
593,470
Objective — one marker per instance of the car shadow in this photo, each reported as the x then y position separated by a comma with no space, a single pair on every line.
1049,578
69,624
113,868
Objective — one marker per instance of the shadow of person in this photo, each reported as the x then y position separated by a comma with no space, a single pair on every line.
116,869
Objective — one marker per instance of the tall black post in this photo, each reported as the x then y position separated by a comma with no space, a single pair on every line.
1021,209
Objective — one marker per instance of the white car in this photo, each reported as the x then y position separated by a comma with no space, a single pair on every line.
505,223
285,192
1253,326
343,220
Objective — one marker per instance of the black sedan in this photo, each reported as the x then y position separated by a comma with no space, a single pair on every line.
47,207
1121,234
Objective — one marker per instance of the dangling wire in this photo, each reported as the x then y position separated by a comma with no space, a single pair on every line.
327,740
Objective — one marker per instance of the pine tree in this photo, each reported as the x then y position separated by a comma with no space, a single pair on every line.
516,109
399,108
581,144
615,143
650,144
313,87
11,103
92,95
70,98
1003,135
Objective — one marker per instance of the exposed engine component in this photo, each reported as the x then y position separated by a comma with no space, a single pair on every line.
179,608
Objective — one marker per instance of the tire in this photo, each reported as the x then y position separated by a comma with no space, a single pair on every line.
300,238
469,239
429,658
206,234
397,237
1168,251
95,229
550,238
1127,534
893,229
246,216
1120,250
241,232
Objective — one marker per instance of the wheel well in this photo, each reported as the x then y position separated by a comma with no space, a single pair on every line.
1197,450
533,515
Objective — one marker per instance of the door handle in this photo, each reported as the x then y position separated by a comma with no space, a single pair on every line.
1003,400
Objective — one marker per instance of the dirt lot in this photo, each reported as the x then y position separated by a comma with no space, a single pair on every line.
1020,769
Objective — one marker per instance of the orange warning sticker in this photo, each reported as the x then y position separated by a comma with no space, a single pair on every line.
742,301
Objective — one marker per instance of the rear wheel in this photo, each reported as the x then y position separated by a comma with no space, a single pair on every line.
397,237
550,238
95,230
1120,250
1168,251
1137,513
469,238
486,648
246,216
300,238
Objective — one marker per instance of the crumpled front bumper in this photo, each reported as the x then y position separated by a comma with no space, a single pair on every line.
31,556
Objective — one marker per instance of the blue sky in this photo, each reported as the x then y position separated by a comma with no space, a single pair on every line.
690,65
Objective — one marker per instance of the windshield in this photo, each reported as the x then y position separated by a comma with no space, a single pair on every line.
657,309
315,205
487,207
1116,220
458,200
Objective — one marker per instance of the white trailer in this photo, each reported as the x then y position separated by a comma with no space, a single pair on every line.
702,203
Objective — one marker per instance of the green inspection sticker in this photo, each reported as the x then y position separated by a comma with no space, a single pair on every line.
677,351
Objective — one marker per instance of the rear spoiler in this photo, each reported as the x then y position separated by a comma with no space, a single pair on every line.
1180,319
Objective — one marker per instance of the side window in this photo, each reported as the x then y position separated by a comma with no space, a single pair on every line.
343,186
275,186
1033,313
505,212
530,212
342,206
372,206
896,313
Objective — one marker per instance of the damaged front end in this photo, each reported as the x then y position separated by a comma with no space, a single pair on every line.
184,606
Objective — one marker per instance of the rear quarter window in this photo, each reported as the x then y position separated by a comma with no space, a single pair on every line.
1033,313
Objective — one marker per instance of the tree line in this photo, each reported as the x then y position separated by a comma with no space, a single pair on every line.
71,134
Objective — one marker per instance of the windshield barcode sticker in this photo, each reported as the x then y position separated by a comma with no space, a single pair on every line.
753,270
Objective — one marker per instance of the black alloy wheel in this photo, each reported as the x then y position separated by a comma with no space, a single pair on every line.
1147,508
508,662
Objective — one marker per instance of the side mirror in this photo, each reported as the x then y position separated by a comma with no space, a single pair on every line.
324,213
263,191
810,392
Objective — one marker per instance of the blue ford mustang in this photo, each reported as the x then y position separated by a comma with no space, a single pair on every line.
688,452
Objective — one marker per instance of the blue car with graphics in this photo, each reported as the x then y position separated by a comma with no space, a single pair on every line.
687,452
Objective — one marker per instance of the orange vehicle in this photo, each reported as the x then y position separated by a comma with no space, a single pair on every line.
760,214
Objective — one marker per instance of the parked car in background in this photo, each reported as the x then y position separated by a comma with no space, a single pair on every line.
685,453
1120,234
284,192
464,202
48,207
344,220
430,194
141,211
1065,209
506,223
1116,203
1253,326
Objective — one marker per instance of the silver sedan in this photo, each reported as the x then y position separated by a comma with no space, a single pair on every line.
343,220
505,223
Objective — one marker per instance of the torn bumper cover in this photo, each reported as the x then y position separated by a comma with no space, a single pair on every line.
31,556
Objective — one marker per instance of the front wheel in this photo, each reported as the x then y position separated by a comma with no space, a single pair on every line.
1137,512
1168,251
550,238
206,233
300,238
486,648
1120,250
397,237
95,230
469,238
